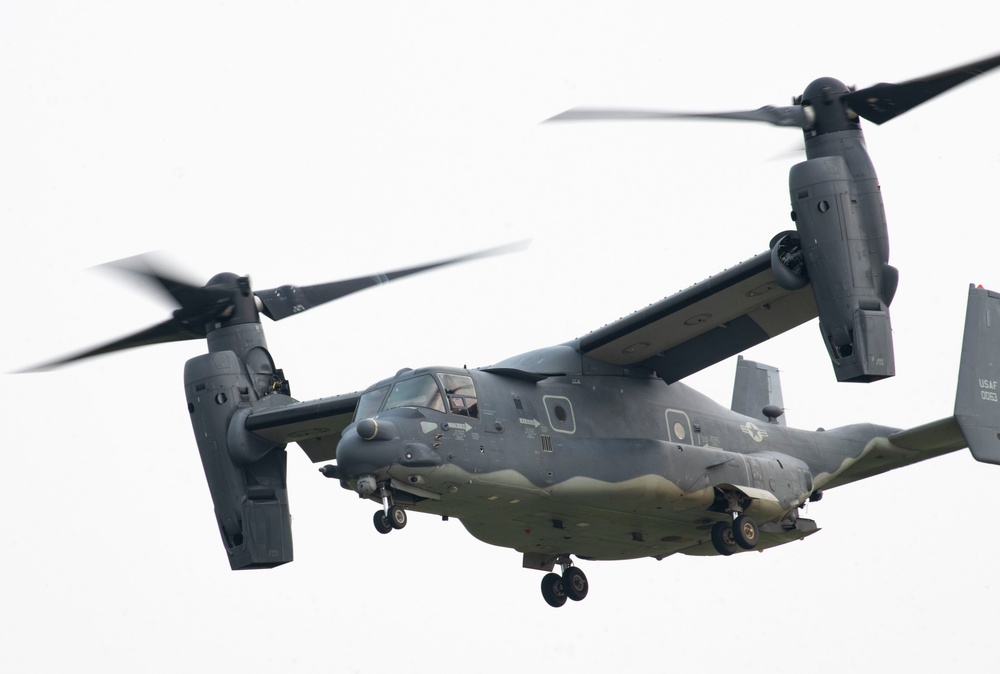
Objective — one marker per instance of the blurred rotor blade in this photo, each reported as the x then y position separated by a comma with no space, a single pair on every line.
193,299
881,102
287,300
783,116
199,305
170,330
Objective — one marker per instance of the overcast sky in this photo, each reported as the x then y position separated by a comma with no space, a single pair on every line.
299,143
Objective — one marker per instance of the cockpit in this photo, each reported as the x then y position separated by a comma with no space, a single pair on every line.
444,392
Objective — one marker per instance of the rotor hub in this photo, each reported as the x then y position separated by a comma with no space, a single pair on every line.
824,97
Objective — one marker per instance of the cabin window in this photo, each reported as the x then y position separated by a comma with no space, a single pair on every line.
370,403
461,394
679,426
560,412
420,391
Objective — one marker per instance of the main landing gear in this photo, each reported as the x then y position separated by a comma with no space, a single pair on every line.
740,534
572,584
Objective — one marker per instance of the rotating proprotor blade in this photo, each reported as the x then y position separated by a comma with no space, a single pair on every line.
878,103
881,102
223,299
288,300
161,333
783,116
194,300
197,306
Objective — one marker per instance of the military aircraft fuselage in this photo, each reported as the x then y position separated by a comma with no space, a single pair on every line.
594,448
597,464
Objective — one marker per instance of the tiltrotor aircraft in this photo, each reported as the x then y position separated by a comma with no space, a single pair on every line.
594,448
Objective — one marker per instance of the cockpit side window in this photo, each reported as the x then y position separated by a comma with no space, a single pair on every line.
461,393
370,403
420,391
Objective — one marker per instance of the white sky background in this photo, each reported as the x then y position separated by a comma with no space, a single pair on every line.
299,143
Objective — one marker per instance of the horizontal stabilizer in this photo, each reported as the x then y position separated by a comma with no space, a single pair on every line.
895,450
977,407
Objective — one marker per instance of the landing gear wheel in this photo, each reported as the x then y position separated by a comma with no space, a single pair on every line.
745,532
397,517
575,583
724,538
553,590
382,523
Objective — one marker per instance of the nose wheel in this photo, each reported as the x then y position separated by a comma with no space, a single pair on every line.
571,584
390,516
385,522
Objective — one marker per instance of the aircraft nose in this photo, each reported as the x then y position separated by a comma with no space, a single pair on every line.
375,445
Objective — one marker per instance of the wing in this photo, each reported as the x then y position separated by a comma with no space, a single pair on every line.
315,425
709,322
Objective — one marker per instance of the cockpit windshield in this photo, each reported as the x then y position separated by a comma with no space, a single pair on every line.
420,391
423,391
370,403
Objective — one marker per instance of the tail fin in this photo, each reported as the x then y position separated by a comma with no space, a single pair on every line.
757,392
977,402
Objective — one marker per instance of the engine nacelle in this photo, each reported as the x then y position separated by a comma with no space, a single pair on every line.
844,246
248,479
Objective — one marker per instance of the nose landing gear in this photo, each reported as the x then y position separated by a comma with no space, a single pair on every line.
387,521
390,516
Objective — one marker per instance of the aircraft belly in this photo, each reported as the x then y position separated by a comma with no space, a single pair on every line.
613,510
641,517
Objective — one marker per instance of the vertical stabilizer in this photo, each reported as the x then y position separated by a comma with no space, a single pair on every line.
977,402
757,392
